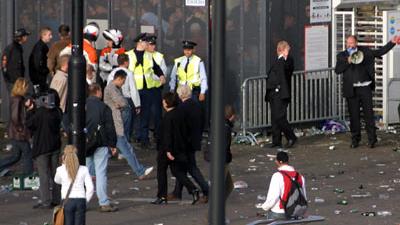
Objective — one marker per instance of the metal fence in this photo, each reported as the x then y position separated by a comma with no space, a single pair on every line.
316,95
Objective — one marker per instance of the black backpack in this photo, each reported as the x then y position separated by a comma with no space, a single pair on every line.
93,141
296,204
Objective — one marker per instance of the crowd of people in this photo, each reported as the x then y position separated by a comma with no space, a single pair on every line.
124,99
125,102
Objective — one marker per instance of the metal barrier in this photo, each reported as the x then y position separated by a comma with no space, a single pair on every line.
316,95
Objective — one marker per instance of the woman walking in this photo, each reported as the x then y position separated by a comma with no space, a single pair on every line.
18,132
71,173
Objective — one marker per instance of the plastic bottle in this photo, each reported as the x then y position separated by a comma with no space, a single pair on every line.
342,202
384,213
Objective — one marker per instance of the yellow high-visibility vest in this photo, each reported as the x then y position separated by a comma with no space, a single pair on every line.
192,76
142,72
158,58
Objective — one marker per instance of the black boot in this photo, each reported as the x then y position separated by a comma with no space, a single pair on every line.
160,201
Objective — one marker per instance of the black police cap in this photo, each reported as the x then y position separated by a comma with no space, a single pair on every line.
152,39
141,37
188,44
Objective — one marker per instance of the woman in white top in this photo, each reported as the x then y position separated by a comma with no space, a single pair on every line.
82,188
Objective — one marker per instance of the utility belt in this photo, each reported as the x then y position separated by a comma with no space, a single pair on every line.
196,89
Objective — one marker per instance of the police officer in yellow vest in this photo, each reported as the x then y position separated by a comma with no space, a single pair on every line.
189,70
156,107
148,77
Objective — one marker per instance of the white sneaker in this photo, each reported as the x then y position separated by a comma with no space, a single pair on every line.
146,172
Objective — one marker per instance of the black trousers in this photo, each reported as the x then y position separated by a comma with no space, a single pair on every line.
362,98
279,120
179,170
195,172
47,167
162,178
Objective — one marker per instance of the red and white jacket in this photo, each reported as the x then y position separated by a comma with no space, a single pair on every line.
108,60
279,189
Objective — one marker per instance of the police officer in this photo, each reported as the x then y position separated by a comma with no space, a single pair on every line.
146,73
156,107
190,70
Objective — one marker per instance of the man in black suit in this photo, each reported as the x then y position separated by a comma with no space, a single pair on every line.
278,95
358,84
191,113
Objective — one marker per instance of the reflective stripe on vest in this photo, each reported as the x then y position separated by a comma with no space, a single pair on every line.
158,57
140,71
192,77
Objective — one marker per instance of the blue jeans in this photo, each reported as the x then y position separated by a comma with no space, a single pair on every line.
99,161
20,149
75,211
128,152
127,118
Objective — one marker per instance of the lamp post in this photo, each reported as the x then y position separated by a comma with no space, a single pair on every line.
77,83
217,206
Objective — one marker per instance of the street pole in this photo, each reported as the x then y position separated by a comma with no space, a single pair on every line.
217,206
76,83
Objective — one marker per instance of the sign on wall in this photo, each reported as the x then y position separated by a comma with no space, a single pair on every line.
195,2
316,47
320,11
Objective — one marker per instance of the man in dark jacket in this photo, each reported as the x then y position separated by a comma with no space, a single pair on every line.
99,117
12,61
45,123
38,70
358,84
172,150
191,112
278,95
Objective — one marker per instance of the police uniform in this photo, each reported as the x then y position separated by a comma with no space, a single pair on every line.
145,72
156,108
189,71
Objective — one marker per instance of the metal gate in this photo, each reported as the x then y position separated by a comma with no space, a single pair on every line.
316,95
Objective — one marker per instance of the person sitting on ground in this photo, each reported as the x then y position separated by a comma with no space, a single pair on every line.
280,186
82,187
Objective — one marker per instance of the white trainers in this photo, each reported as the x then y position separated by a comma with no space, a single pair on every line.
146,172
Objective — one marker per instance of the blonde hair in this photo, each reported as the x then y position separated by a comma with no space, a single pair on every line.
184,92
62,60
20,87
281,46
71,161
